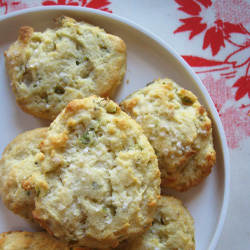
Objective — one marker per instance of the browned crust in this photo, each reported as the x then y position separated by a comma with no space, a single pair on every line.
30,240
204,170
131,104
25,33
44,223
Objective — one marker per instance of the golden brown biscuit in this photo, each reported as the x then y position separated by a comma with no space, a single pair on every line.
75,60
172,229
32,241
100,181
178,128
20,159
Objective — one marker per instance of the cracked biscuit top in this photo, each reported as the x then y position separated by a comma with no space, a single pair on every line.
99,181
51,68
178,128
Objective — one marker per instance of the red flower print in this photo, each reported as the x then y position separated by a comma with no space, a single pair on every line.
3,7
61,2
221,23
215,38
243,85
216,33
196,61
192,24
191,7
239,57
236,123
13,5
218,91
95,4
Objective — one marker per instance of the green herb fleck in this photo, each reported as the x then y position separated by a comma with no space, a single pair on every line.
137,146
186,100
149,83
104,209
100,103
28,193
85,138
112,111
156,151
37,192
59,90
104,48
38,77
95,185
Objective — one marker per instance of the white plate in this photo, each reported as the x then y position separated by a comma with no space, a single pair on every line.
148,59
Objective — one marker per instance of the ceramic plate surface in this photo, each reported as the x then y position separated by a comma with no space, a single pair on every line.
148,59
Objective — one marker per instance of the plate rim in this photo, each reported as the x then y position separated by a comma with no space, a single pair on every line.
174,53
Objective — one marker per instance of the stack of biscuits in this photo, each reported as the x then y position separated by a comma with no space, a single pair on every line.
93,178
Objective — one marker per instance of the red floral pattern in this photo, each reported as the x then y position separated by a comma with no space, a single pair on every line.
95,4
215,36
61,2
218,90
222,32
3,7
12,5
235,120
243,85
236,125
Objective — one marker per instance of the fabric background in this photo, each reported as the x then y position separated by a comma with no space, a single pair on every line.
214,38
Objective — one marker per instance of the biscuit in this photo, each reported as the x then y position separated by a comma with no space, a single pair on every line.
75,60
100,181
30,241
173,228
178,128
20,159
